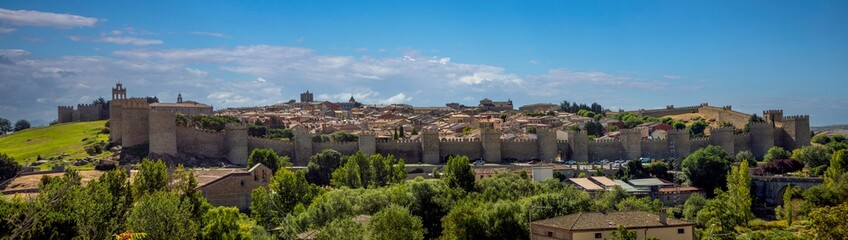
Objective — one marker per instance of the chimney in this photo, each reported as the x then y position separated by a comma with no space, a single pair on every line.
663,217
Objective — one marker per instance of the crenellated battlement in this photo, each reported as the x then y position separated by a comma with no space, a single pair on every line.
235,126
519,140
759,125
700,139
604,140
448,140
721,130
773,111
796,117
651,140
66,108
334,143
397,141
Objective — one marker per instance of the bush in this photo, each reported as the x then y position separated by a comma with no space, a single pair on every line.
820,139
775,153
105,130
783,166
94,149
105,166
8,167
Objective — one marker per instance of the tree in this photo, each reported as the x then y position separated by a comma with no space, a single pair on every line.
820,139
321,166
8,167
152,177
776,153
395,222
594,128
746,156
838,166
693,205
697,127
458,174
707,168
288,189
186,188
739,189
267,157
5,126
829,222
21,125
221,223
342,229
347,176
623,234
162,215
731,208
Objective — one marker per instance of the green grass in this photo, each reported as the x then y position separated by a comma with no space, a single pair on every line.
53,141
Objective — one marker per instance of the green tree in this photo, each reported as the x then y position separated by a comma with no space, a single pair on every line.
321,166
623,234
342,229
739,189
693,205
639,203
746,156
697,127
838,166
9,168
829,222
775,153
151,177
347,175
503,220
5,126
221,223
707,168
162,215
21,125
186,188
262,209
458,174
118,184
820,139
395,222
288,189
267,157
92,210
430,200
812,156
51,215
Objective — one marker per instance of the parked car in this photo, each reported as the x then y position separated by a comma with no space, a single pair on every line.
645,160
533,162
479,163
620,161
605,161
571,162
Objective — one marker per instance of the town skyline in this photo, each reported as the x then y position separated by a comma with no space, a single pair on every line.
623,56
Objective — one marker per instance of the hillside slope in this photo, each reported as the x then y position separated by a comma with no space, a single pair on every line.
49,142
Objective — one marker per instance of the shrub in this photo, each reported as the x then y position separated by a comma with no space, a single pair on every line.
782,166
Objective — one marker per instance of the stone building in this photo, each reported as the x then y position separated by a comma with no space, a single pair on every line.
184,107
306,97
232,187
600,225
489,105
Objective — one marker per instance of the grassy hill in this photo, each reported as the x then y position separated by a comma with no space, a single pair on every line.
51,142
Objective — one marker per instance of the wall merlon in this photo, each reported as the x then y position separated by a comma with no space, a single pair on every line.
796,117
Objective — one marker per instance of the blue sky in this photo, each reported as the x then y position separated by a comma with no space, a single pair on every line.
753,55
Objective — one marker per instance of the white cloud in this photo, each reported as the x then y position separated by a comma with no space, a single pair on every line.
259,75
196,72
211,34
41,100
45,19
672,77
7,30
130,40
399,98
534,62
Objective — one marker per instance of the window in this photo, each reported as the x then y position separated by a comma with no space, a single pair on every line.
599,235
242,183
680,231
550,234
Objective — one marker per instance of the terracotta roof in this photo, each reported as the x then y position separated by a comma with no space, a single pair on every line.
604,181
586,184
609,221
